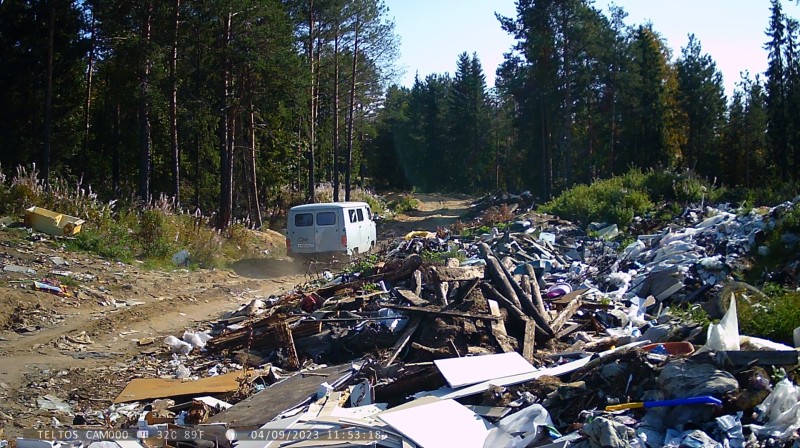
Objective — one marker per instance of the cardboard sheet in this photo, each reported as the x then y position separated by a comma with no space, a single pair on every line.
150,388
439,424
469,370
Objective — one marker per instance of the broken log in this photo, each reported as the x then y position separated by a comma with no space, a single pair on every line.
285,337
525,300
536,292
495,272
490,293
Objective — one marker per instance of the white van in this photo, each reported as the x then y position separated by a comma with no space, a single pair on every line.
333,227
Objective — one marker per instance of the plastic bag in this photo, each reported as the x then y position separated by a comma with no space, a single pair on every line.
781,410
725,334
197,340
519,429
182,372
178,346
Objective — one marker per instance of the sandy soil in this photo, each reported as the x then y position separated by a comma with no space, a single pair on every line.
80,348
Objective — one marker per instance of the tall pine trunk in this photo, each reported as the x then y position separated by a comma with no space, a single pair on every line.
224,134
87,106
336,114
144,106
116,148
173,107
313,119
48,96
255,207
350,121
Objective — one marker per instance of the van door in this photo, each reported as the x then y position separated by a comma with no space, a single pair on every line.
328,234
371,229
302,235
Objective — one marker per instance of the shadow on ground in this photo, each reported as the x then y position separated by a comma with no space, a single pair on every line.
263,268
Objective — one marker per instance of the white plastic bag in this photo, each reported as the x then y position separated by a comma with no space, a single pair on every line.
198,339
519,429
725,334
178,346
782,410
182,372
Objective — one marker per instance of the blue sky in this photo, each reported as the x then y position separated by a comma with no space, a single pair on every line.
434,32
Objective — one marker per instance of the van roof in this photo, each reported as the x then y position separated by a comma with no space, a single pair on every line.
327,205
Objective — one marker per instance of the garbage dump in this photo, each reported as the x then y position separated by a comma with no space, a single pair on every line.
540,334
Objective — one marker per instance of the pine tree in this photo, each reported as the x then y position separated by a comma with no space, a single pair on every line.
701,96
776,90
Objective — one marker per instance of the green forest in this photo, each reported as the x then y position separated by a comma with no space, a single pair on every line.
233,108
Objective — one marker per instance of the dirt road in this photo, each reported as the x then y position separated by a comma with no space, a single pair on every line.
81,348
435,210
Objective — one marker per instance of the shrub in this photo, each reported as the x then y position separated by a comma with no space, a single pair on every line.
619,199
404,204
496,215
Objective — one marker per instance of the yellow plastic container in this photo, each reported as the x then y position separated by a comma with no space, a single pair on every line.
52,223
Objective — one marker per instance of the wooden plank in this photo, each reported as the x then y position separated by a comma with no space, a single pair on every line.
446,274
569,329
265,405
441,313
566,314
762,358
416,281
403,341
499,328
140,389
529,340
412,297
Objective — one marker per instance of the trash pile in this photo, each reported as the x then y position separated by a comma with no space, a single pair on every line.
539,335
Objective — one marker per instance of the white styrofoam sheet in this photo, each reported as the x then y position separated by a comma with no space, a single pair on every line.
439,424
469,370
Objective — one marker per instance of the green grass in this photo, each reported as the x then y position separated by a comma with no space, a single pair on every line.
130,231
439,258
774,317
364,265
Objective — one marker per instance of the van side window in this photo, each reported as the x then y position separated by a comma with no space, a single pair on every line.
360,214
353,217
326,218
303,220
369,214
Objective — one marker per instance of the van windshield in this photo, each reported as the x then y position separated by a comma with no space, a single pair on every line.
303,220
326,218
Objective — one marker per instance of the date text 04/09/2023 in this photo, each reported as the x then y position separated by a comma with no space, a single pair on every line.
305,434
